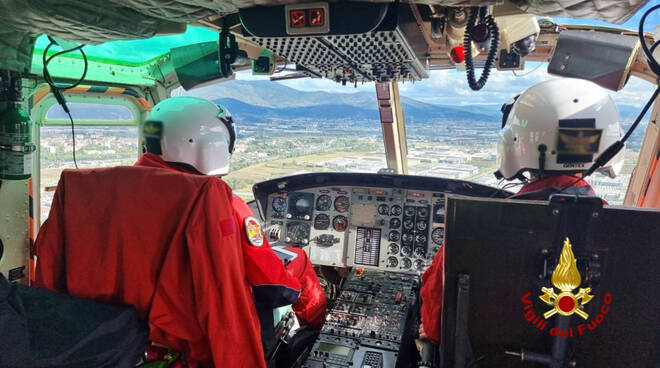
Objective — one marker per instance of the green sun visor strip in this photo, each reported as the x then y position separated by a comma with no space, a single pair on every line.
122,62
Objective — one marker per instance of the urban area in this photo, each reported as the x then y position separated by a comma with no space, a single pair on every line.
271,148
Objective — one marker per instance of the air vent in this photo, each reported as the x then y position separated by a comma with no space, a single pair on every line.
381,53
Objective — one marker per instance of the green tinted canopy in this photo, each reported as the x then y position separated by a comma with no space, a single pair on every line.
135,52
125,62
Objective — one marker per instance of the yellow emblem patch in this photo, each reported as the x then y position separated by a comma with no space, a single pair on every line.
253,231
152,129
580,141
566,278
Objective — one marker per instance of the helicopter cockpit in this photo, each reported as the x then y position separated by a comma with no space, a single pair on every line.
375,213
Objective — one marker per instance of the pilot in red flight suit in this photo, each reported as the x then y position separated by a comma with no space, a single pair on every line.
193,135
553,132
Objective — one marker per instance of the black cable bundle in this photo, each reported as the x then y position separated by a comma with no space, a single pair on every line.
617,146
57,89
489,21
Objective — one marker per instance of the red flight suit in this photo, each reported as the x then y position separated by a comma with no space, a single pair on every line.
164,242
181,260
273,285
433,277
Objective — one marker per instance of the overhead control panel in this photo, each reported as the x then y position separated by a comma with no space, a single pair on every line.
386,222
347,42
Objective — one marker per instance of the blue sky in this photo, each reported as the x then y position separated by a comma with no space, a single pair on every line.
449,87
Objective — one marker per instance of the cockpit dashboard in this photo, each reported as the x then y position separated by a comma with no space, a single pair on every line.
386,222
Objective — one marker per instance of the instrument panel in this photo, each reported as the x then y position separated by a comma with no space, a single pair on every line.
386,222
369,323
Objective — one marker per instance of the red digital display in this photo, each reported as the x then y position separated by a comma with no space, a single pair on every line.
316,17
298,18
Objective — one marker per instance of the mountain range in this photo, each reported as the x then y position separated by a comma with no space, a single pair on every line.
259,99
264,99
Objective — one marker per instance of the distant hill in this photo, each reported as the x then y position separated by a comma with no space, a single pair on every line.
264,93
273,94
264,99
256,100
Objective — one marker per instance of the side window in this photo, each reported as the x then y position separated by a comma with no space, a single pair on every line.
101,141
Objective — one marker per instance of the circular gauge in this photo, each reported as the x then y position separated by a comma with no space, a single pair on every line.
419,264
395,223
297,232
395,210
279,204
340,223
323,202
342,203
406,263
406,251
421,225
408,224
422,212
407,238
409,211
384,209
394,236
419,251
420,239
321,221
392,261
438,235
393,248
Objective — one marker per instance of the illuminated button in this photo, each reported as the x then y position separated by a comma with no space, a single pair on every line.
297,18
457,54
316,17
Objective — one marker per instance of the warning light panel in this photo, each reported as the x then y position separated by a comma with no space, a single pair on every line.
317,17
297,18
311,18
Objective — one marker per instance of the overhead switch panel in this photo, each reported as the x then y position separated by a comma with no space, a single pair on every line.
342,50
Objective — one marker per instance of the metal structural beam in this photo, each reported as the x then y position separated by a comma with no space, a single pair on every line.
644,186
393,125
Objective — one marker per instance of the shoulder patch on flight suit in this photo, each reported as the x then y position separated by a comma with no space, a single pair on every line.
253,231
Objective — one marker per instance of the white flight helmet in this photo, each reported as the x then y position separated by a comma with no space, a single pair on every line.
558,126
191,131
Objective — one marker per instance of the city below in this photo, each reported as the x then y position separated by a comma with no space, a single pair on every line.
284,131
267,150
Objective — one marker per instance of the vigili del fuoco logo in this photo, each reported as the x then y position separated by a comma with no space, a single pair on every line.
566,278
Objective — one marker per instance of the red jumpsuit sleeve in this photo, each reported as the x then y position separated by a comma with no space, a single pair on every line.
310,307
431,294
49,247
224,304
273,286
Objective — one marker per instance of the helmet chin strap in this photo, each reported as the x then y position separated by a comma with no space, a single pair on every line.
542,149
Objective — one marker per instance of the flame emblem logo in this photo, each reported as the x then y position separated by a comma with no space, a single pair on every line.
151,129
566,278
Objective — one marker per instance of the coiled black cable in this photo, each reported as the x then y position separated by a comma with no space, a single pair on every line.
489,21
57,89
